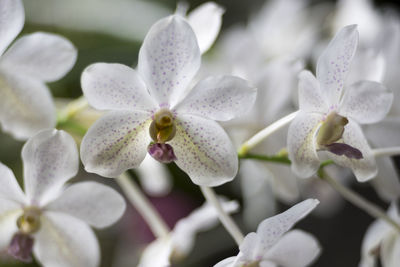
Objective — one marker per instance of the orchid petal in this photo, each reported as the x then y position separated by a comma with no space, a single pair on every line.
334,63
295,248
65,241
116,142
50,159
8,222
390,251
46,57
204,151
9,187
12,19
365,168
115,87
367,65
386,183
168,59
311,98
206,21
26,105
271,229
301,144
157,253
366,102
93,203
219,98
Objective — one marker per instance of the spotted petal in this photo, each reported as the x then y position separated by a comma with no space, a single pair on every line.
46,57
334,63
311,98
11,21
365,168
50,159
26,105
94,203
219,98
366,102
115,87
116,142
204,151
168,59
301,144
65,241
206,22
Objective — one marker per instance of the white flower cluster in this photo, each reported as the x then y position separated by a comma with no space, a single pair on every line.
344,118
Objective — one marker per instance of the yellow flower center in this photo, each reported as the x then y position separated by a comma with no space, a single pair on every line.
162,128
29,221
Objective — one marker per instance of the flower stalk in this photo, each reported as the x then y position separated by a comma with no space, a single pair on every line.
142,204
225,219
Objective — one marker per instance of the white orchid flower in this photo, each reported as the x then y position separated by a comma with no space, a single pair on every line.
274,245
49,218
26,105
153,111
329,117
180,242
382,241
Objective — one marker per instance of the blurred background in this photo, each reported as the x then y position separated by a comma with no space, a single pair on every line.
113,30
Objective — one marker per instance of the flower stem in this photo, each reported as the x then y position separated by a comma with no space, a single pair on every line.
359,201
386,151
261,135
71,109
225,219
143,205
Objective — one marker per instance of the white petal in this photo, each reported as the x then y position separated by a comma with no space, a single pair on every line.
168,59
9,187
154,177
365,168
201,219
65,241
334,63
46,57
301,144
157,253
50,159
26,105
11,21
116,142
219,98
115,86
391,251
94,203
8,222
206,22
270,230
366,102
204,151
367,65
295,249
311,98
387,183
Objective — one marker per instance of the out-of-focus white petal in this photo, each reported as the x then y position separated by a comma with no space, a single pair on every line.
295,248
168,59
116,87
204,151
201,219
301,144
271,229
367,65
366,102
154,177
12,19
9,187
219,98
157,253
334,63
284,183
385,133
26,105
311,98
8,222
116,142
44,56
94,203
65,241
390,251
50,159
206,22
365,168
387,183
